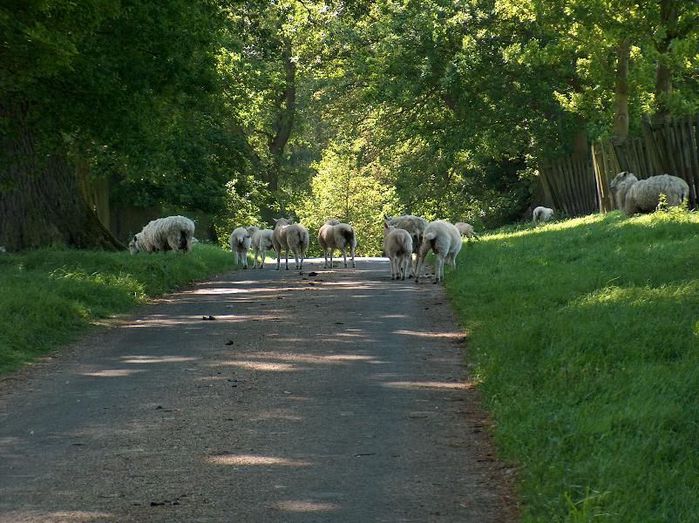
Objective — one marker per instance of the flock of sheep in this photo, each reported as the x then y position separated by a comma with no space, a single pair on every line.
404,236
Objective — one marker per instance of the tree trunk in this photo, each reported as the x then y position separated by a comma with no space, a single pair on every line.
283,127
669,16
621,92
41,203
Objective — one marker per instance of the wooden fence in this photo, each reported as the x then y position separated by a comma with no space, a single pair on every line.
580,187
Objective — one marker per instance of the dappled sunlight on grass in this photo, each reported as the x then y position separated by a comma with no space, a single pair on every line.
638,295
583,338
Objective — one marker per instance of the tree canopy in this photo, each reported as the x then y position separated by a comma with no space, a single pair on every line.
245,110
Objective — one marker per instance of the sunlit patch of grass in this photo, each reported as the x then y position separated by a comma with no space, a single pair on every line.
585,337
49,296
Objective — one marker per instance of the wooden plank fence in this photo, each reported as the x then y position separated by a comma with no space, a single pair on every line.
580,187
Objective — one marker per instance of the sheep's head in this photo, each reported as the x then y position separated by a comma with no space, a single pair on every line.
134,246
622,178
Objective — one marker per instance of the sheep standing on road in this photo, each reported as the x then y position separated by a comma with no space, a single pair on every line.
172,233
444,239
466,230
632,195
261,243
335,235
398,247
240,241
542,214
415,225
290,236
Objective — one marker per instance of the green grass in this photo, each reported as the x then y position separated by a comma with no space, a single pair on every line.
585,339
48,297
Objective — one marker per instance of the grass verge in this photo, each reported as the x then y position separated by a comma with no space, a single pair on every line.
49,296
584,335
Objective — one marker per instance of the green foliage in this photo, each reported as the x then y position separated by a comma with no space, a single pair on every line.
585,338
341,190
48,297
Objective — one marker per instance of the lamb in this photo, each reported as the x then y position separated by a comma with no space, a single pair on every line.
541,214
335,235
633,195
398,247
261,243
240,241
292,236
172,233
466,230
444,239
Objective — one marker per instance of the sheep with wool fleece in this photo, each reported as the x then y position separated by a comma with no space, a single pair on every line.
445,241
172,233
261,243
336,235
632,195
541,214
290,236
240,241
398,247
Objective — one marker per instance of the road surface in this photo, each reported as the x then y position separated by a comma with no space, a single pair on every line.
339,396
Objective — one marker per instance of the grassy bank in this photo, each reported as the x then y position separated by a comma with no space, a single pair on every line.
585,339
48,297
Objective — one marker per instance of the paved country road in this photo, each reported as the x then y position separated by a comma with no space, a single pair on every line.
337,397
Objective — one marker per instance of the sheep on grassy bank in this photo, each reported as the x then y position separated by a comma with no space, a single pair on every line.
240,241
541,214
632,195
466,230
261,243
172,233
398,247
444,240
336,235
289,236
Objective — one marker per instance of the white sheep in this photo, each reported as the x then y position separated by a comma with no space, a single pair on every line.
444,239
398,247
172,233
240,241
466,230
633,195
541,214
290,236
261,243
415,225
336,235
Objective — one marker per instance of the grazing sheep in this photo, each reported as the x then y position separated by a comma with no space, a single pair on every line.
633,195
261,243
442,238
466,230
240,241
398,247
335,235
290,236
541,214
173,233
